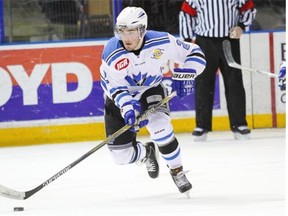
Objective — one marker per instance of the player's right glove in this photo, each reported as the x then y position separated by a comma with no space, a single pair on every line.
130,112
282,77
183,81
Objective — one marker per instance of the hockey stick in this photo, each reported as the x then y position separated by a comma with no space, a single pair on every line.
14,194
231,62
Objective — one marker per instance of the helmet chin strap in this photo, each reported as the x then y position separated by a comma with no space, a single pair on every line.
139,44
141,37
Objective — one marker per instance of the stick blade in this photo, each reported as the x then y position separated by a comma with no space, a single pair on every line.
228,55
10,193
227,52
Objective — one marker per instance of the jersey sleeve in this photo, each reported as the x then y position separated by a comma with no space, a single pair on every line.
189,55
247,13
187,20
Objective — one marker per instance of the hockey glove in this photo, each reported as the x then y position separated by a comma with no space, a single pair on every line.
183,81
282,77
130,112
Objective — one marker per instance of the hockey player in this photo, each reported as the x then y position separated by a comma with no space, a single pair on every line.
131,77
282,76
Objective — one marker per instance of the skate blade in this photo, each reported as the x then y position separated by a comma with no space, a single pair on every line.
238,136
202,138
187,193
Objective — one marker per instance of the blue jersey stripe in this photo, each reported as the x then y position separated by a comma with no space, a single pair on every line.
200,61
114,49
156,43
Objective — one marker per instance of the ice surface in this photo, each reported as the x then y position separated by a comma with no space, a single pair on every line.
229,177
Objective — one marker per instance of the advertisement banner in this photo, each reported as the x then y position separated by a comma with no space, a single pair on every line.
54,82
50,83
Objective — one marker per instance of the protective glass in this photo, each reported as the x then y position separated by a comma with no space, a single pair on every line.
131,32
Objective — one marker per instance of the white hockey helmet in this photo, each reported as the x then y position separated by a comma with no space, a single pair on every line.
132,18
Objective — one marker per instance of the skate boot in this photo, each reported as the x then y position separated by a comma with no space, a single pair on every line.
200,134
179,178
151,160
241,132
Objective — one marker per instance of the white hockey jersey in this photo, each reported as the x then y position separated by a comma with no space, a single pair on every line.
125,75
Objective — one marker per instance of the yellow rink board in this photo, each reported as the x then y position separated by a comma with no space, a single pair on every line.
95,131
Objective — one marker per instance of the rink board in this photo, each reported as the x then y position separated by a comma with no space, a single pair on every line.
51,92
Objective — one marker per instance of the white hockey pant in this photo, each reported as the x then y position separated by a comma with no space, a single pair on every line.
161,133
125,154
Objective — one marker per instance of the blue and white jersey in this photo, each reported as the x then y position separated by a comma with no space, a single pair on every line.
125,75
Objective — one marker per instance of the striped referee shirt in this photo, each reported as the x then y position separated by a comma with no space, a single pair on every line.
214,18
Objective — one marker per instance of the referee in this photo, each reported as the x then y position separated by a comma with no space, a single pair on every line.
209,23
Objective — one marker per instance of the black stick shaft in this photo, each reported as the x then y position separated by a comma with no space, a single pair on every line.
13,194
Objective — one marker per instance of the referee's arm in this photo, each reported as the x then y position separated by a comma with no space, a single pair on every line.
247,12
187,21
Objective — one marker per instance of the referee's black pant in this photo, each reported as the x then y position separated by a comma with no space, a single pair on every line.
233,83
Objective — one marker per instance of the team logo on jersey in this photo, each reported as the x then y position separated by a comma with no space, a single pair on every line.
157,54
142,79
121,64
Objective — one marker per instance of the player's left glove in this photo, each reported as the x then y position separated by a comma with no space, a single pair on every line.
183,81
131,111
282,77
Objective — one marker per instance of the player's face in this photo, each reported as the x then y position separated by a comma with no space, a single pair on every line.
130,38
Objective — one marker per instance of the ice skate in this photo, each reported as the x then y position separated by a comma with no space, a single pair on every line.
151,160
241,132
181,181
200,134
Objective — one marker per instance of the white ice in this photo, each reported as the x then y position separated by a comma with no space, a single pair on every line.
229,177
